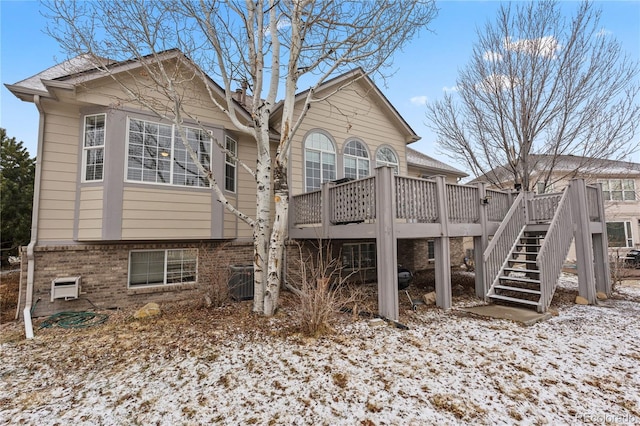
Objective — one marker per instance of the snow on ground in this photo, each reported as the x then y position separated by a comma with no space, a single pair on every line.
581,366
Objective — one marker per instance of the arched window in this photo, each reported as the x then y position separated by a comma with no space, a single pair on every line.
386,157
356,160
319,160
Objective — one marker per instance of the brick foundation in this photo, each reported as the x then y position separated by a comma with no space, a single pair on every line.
104,272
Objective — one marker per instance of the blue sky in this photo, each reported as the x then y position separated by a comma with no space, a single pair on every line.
423,70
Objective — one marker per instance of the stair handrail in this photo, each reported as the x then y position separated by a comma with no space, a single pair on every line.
503,240
554,249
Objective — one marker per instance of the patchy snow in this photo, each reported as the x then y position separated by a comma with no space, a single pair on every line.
581,366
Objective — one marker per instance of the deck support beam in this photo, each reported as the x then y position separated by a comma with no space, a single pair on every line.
386,244
583,241
442,249
601,249
481,242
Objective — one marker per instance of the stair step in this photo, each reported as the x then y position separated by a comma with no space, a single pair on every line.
518,289
524,271
528,245
513,299
521,261
519,279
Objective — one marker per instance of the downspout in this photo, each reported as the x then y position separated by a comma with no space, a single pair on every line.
31,261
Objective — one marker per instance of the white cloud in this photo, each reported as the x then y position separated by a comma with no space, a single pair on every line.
450,89
283,23
604,32
492,56
418,100
544,46
497,82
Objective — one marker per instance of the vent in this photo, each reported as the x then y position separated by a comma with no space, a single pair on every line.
66,288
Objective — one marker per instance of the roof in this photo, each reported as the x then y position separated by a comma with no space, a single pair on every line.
566,164
418,159
78,64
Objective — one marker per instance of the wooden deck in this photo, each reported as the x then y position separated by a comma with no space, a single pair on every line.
386,208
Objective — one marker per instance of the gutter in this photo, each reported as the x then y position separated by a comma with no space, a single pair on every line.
31,261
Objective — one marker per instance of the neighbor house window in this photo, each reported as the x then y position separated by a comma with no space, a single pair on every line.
356,160
618,189
93,148
161,267
157,154
230,164
386,157
359,256
541,188
619,234
320,160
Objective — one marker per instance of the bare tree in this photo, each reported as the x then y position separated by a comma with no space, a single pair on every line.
539,83
269,45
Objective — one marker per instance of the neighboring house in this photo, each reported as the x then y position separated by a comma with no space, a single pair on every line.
620,184
122,213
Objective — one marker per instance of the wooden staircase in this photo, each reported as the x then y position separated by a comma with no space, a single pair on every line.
518,282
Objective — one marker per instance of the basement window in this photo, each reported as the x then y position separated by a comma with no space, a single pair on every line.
162,267
359,256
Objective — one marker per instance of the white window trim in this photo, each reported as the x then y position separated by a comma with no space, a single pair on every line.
164,277
234,165
628,233
321,151
357,159
624,200
173,141
396,166
85,149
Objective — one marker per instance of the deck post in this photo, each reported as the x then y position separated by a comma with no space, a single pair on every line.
481,242
325,208
601,249
442,249
583,241
386,244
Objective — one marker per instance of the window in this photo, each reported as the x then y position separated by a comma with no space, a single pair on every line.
160,267
619,234
230,164
356,160
157,154
359,256
320,160
542,189
431,250
386,157
93,148
618,189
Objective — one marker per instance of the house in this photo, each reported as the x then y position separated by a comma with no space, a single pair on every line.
620,182
122,216
120,205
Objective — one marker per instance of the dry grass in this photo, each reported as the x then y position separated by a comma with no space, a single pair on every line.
9,289
321,290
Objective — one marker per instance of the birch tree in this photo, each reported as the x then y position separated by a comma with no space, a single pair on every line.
268,45
540,83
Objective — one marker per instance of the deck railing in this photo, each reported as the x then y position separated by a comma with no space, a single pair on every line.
498,204
592,203
353,201
554,250
504,240
416,200
463,204
541,208
308,208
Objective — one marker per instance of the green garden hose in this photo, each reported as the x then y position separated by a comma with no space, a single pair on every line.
74,320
